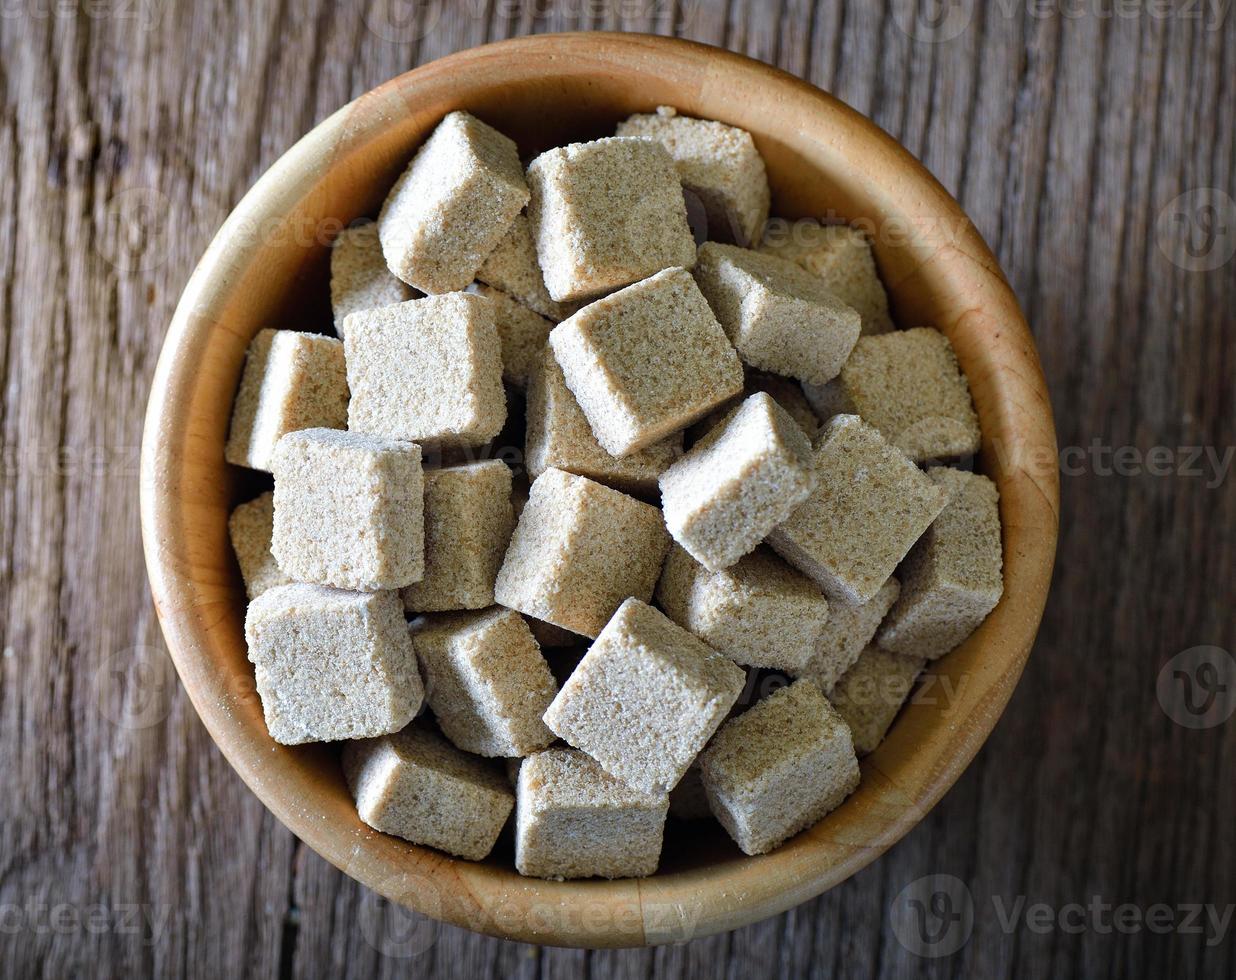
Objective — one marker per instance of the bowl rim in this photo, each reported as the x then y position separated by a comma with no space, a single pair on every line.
992,335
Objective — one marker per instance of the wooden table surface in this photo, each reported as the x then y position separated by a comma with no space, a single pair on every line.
1093,145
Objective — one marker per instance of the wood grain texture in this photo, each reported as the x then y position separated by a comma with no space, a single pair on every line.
127,132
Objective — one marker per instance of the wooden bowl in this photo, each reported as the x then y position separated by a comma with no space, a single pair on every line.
268,267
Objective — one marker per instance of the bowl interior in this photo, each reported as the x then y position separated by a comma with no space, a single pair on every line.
269,267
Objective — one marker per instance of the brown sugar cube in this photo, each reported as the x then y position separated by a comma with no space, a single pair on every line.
331,664
870,506
291,381
574,820
512,268
952,577
759,612
359,278
738,483
841,256
250,527
452,205
646,361
558,435
429,369
468,522
579,549
908,385
486,681
348,510
416,785
717,163
645,698
779,316
521,333
849,630
606,214
780,767
871,693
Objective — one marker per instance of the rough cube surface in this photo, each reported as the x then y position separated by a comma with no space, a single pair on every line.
512,267
429,369
645,698
250,527
468,522
291,381
870,506
646,361
871,693
558,435
759,612
348,510
841,256
849,629
452,205
521,333
416,785
779,316
605,214
486,681
952,577
359,278
716,162
779,767
908,385
738,483
578,551
574,820
331,664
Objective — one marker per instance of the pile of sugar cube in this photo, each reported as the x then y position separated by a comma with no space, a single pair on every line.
731,472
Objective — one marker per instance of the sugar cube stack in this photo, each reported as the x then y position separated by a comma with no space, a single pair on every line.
591,629
291,381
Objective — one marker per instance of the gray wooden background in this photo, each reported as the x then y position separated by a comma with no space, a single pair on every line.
1091,140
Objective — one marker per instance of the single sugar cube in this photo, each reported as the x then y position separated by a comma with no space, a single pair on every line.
909,386
558,435
645,698
759,612
606,214
738,483
579,549
349,510
841,256
291,381
870,506
780,767
416,785
250,527
646,361
850,628
468,522
512,267
779,316
429,369
359,278
871,693
331,664
486,681
717,163
952,577
452,205
574,820
521,333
